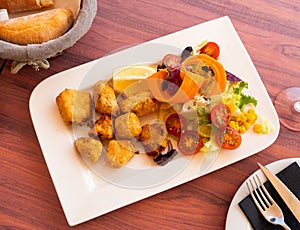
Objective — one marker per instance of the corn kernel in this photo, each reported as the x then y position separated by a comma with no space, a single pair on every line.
257,128
237,118
243,118
251,111
247,125
256,116
250,117
242,129
232,123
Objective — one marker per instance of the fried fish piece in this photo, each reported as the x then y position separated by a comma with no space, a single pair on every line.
103,127
75,106
89,147
119,152
141,103
154,137
105,98
127,126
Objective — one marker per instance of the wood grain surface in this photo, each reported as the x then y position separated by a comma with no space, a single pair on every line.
269,29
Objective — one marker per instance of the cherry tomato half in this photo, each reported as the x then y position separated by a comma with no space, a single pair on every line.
190,142
175,124
220,115
228,138
212,49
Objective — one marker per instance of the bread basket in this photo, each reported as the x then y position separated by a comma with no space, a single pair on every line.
36,55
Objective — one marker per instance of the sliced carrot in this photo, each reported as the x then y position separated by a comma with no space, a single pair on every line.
161,74
206,84
192,82
186,92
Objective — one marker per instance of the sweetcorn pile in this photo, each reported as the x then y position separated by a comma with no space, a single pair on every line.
244,121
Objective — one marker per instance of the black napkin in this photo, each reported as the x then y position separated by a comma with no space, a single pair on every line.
290,176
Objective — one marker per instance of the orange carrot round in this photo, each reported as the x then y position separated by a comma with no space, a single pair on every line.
193,82
206,84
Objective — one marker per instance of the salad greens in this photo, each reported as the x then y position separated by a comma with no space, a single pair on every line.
244,99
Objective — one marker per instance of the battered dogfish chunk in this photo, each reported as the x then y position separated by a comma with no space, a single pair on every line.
103,127
141,103
89,147
105,98
75,106
153,136
119,152
127,126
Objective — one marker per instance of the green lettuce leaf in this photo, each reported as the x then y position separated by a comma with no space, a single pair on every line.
244,99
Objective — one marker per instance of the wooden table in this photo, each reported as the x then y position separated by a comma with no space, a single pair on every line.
270,32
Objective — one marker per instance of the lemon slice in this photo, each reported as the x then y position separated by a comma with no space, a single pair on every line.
125,76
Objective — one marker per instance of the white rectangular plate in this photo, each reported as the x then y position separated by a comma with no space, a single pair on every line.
82,194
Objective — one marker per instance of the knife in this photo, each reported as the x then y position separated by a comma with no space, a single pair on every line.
288,197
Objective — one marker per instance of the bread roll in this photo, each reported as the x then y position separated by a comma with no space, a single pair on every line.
14,6
36,28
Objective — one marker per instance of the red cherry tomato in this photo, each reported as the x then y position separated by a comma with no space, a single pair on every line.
228,138
220,115
212,49
175,124
190,142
